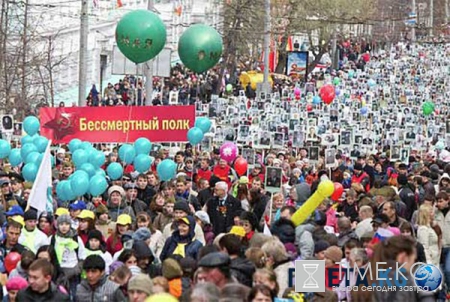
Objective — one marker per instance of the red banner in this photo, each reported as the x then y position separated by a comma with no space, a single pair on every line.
117,124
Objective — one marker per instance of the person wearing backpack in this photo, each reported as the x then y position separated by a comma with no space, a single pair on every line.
70,252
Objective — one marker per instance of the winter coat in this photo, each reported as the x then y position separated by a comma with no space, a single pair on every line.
304,240
443,220
222,217
146,194
209,234
243,269
51,295
161,221
174,242
106,290
281,270
114,210
429,239
409,198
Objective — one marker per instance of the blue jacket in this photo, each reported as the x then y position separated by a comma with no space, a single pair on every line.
192,245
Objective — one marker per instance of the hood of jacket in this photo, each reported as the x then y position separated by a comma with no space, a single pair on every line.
444,176
190,236
142,250
284,229
303,192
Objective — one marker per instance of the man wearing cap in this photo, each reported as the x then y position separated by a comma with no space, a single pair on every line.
222,208
181,210
361,177
216,267
97,286
136,204
139,288
31,237
7,194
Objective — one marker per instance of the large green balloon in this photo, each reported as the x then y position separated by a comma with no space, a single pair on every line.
140,35
200,47
427,108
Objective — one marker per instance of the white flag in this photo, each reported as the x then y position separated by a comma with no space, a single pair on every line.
266,230
41,196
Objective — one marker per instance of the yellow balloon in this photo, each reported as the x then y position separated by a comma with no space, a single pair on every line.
324,190
363,103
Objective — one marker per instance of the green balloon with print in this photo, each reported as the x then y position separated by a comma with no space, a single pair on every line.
140,35
200,47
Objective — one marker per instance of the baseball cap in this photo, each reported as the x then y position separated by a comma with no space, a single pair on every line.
184,220
61,211
77,205
15,210
86,214
123,219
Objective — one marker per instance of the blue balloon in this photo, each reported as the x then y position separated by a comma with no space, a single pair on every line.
371,83
100,172
15,158
351,73
195,135
60,192
97,185
316,100
337,91
41,143
31,125
74,144
88,168
79,157
30,171
85,145
79,173
33,157
53,161
66,192
80,184
142,163
27,149
127,153
5,149
97,159
142,146
166,169
27,139
364,110
203,123
114,171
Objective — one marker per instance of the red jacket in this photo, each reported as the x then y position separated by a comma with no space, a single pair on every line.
205,174
223,173
363,179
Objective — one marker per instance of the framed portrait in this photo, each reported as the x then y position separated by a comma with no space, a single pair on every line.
273,179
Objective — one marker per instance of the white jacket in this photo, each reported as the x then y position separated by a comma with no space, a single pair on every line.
33,240
430,241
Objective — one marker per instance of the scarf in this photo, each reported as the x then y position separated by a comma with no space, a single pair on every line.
65,242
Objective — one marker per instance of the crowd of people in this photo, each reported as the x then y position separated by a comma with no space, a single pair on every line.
212,234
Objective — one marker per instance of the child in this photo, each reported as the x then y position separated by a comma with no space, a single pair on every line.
348,207
69,251
103,222
96,245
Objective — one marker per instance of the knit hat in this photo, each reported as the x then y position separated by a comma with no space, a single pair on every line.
95,234
16,283
101,209
402,179
303,191
116,189
141,282
142,234
47,216
171,269
321,246
31,214
334,253
64,219
181,206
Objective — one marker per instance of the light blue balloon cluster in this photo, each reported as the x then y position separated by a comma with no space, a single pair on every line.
201,127
89,177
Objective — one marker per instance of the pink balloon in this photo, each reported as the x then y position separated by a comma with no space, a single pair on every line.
228,151
297,91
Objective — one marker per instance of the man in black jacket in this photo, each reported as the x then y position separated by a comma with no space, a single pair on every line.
41,287
241,268
407,195
145,192
222,208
